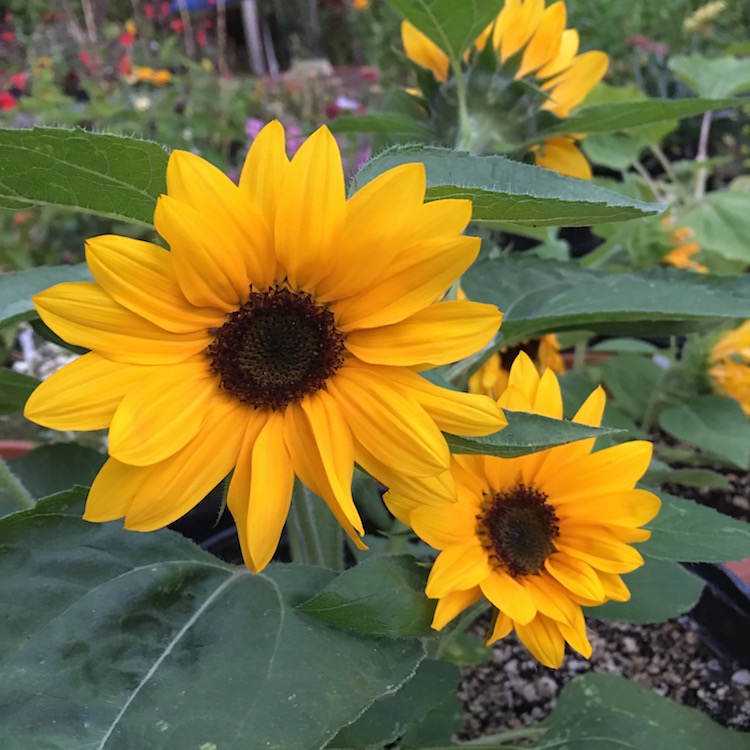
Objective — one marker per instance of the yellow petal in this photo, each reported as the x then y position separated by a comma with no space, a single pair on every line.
444,525
311,213
451,605
624,508
407,492
84,394
379,216
575,575
599,548
457,568
518,26
238,496
270,491
525,377
509,596
575,635
163,413
551,599
614,588
113,491
176,485
83,314
543,639
436,335
564,57
263,174
561,155
207,190
391,426
139,275
205,255
501,628
332,438
571,87
545,43
502,473
424,51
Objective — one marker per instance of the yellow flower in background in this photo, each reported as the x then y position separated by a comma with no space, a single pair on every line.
730,365
491,379
161,77
144,75
702,17
280,336
541,535
534,39
681,256
130,27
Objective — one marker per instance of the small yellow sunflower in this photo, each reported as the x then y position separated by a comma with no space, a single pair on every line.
280,335
730,365
541,535
534,39
491,378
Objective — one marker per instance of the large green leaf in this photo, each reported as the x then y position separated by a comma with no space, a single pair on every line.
453,26
660,590
689,532
388,719
538,296
109,175
607,712
15,389
633,380
507,191
614,116
123,640
390,123
712,78
17,289
525,433
381,596
715,424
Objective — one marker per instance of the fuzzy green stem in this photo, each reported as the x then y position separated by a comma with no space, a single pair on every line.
14,489
464,141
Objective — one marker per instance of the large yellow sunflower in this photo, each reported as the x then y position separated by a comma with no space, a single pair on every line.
279,336
533,39
538,535
730,365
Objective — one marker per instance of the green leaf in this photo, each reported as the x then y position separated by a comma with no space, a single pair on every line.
539,297
706,478
607,712
384,122
315,536
614,150
507,191
632,380
438,726
130,640
15,389
721,224
17,288
54,468
712,78
715,424
388,719
525,433
109,175
660,590
453,26
615,116
689,532
383,596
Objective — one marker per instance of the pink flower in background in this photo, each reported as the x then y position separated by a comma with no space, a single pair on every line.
253,126
87,60
363,156
126,40
7,36
7,101
294,139
19,80
177,26
200,37
149,11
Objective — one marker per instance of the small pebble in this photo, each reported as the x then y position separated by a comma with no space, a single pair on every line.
741,677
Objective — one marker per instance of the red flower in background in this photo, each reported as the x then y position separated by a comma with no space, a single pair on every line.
200,37
149,11
126,65
87,60
7,36
19,80
164,9
177,26
7,101
126,40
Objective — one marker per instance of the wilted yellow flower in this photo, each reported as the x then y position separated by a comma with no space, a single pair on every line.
280,335
539,536
548,53
730,365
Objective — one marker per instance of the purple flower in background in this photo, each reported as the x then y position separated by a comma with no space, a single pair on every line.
253,126
294,139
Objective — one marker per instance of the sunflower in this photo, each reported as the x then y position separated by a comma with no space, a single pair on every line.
532,42
281,335
492,377
730,365
541,535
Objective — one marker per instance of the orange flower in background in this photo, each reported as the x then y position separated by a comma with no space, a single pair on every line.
730,365
539,536
534,40
280,336
361,4
681,256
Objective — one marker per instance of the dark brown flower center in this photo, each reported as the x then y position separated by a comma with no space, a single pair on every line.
277,348
517,527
